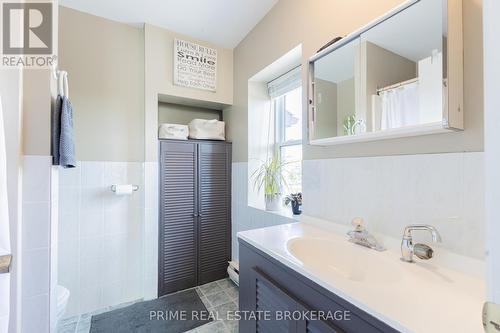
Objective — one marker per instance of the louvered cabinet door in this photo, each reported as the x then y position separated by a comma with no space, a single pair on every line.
270,303
283,312
177,258
214,210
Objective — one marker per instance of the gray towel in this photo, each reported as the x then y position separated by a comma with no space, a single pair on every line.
67,158
56,130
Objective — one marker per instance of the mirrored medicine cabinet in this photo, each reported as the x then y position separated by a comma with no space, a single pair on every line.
401,75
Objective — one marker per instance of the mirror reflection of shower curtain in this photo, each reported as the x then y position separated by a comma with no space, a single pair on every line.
4,230
400,106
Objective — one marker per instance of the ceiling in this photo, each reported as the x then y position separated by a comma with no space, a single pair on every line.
221,22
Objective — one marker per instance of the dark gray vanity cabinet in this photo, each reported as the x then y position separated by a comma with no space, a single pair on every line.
194,213
271,289
275,302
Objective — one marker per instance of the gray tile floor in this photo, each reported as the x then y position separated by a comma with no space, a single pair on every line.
219,298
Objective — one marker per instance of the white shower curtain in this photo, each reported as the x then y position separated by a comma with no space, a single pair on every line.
4,231
400,107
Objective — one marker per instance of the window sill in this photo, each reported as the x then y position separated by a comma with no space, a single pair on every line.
284,212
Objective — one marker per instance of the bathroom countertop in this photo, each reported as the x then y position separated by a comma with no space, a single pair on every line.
425,296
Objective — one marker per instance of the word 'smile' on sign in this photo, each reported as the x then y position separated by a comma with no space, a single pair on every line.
195,66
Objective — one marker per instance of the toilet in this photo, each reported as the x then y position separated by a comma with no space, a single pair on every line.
62,297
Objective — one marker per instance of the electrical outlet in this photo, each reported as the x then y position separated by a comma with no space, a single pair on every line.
491,317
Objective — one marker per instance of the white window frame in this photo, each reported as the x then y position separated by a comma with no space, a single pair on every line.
280,125
279,108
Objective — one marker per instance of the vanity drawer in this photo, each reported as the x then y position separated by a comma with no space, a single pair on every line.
267,285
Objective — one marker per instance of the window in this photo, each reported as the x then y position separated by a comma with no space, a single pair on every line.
287,105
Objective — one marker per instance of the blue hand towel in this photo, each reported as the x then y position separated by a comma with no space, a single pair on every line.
56,130
67,158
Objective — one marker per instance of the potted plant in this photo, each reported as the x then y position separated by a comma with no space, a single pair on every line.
270,178
296,200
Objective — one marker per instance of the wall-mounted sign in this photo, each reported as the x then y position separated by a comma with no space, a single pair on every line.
195,66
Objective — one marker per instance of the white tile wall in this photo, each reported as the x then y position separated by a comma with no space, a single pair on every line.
54,246
35,222
35,314
5,287
245,217
151,230
35,279
390,192
101,235
36,250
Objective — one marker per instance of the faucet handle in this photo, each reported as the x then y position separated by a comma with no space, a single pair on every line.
358,224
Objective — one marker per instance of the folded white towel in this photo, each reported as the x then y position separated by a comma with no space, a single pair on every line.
207,129
173,131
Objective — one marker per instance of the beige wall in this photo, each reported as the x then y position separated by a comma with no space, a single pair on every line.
39,90
36,112
159,44
118,75
105,62
181,114
315,22
345,103
326,109
159,49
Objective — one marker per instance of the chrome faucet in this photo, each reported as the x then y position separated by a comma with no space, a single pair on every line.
362,237
423,251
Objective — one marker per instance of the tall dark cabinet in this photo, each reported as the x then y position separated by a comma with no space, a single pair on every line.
195,213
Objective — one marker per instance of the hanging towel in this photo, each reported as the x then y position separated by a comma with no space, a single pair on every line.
56,130
4,230
62,132
67,158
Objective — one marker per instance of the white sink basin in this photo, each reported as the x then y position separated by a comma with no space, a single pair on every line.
345,260
379,282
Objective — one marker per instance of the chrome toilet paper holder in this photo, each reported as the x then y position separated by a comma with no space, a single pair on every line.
134,188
